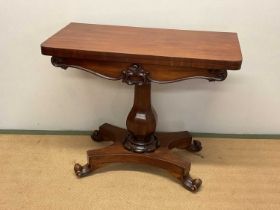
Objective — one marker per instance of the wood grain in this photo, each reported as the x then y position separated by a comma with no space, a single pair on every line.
161,158
140,56
181,48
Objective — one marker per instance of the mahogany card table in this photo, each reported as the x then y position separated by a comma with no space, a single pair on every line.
140,56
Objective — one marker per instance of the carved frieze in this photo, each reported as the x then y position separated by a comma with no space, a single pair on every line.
135,75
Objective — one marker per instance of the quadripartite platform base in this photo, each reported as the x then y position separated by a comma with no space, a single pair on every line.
162,157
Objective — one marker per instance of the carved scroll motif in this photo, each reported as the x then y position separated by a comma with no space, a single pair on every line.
58,62
217,75
62,63
135,75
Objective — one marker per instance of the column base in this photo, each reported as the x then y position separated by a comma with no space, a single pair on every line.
149,144
161,157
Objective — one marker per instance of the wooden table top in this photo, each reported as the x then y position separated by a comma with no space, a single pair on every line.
180,48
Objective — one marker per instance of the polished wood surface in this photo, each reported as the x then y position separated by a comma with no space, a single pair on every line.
141,122
155,73
162,157
182,48
140,56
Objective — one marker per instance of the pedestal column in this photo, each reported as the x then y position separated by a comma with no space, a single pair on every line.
141,120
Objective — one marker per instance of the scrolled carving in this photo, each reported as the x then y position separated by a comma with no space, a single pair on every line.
191,184
135,75
195,146
65,63
58,62
82,171
218,75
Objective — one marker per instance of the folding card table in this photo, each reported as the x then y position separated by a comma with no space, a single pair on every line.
140,56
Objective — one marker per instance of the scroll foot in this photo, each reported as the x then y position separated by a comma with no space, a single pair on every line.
95,136
82,171
195,146
191,184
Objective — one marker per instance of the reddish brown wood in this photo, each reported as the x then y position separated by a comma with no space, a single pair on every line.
199,49
141,122
161,158
139,56
154,73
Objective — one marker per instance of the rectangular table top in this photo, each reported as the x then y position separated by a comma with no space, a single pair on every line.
201,49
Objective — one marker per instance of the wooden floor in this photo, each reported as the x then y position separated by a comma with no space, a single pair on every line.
37,173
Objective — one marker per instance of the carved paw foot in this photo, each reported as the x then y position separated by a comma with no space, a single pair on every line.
95,136
191,184
195,146
82,171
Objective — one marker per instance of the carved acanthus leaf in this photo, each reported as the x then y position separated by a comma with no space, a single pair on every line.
135,75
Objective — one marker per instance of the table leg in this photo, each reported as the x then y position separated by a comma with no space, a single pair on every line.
162,157
139,143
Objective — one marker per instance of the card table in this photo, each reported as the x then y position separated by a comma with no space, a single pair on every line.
141,56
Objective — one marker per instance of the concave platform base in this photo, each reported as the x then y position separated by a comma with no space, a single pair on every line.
162,157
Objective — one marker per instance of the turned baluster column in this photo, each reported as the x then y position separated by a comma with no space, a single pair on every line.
141,120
